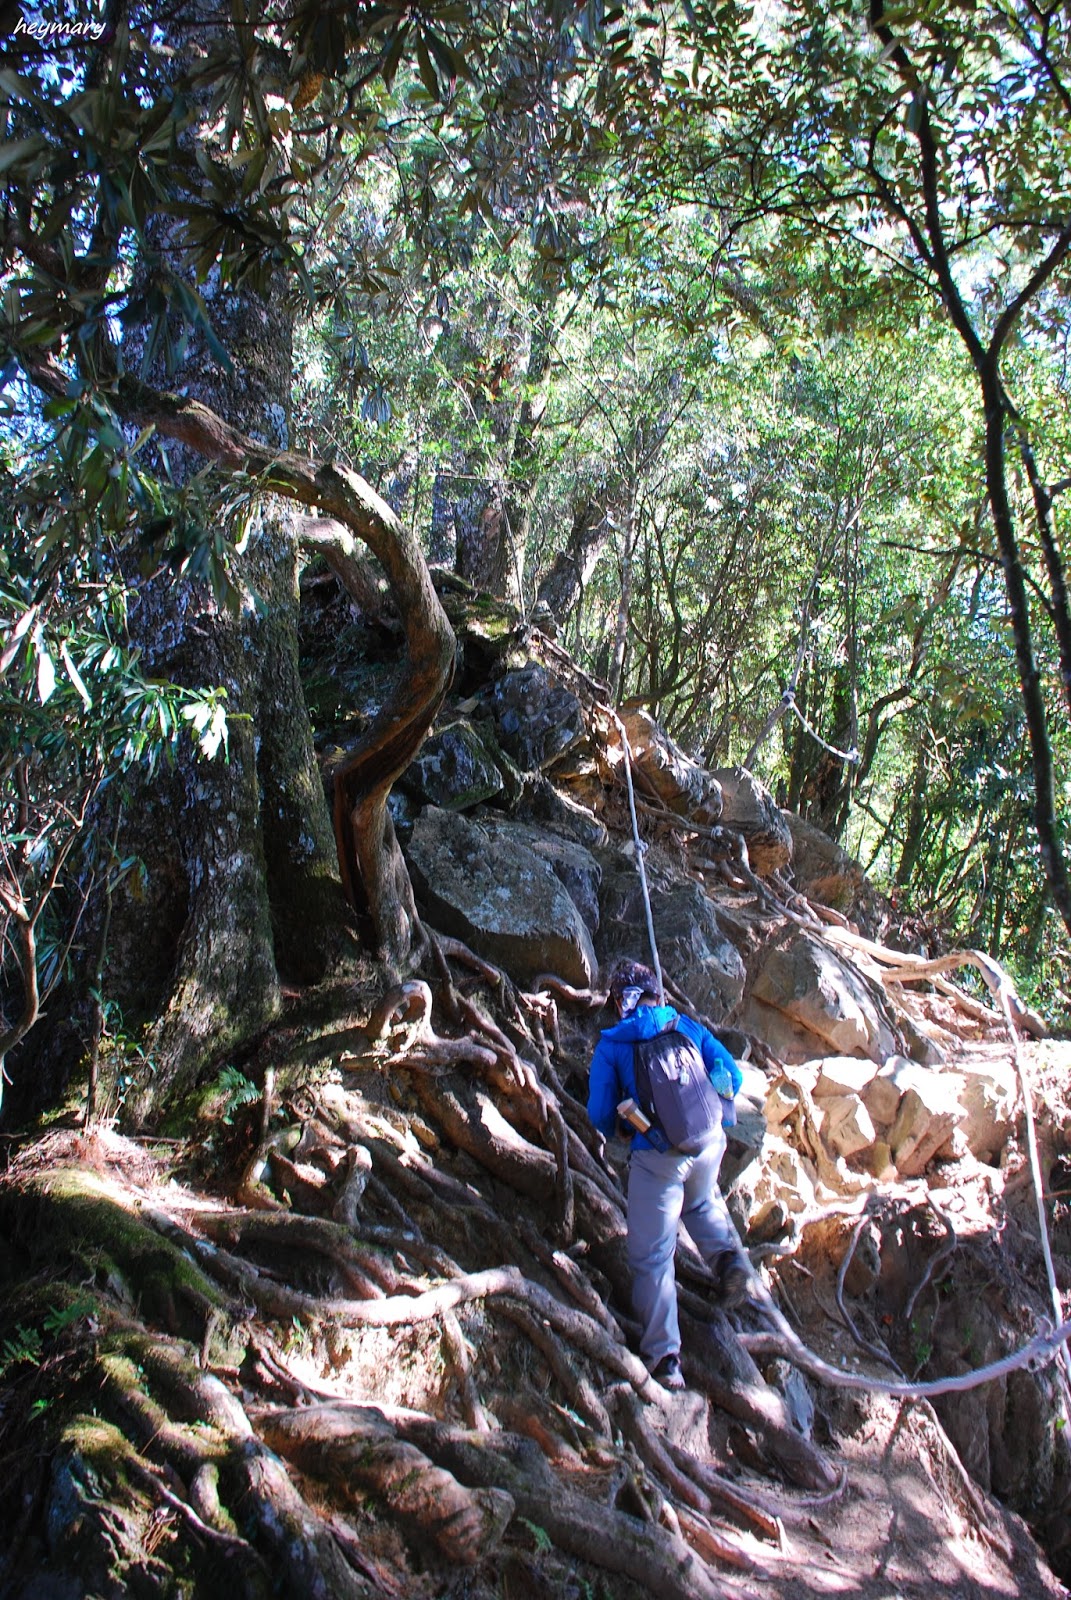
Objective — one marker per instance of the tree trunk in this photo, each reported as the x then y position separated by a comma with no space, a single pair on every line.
562,588
508,575
1046,825
492,515
239,853
916,819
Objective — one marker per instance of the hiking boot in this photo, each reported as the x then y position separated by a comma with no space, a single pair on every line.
731,1277
668,1373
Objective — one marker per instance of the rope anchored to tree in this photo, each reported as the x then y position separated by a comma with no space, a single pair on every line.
788,700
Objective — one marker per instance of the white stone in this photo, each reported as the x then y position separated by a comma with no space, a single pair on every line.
841,1075
989,1101
882,1097
783,1100
922,1127
790,1176
847,1128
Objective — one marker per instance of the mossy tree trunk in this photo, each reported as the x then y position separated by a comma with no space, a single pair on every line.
242,888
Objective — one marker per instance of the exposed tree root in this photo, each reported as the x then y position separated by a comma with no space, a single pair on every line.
356,1449
365,1236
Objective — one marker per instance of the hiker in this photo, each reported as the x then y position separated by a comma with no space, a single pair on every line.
665,1185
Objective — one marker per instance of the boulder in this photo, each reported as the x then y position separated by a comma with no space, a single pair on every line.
882,1165
453,769
841,1075
575,867
981,1102
988,1100
847,1129
929,1114
748,808
824,872
786,1039
789,1178
691,946
743,1143
506,902
823,992
882,1096
681,783
783,1101
545,806
537,719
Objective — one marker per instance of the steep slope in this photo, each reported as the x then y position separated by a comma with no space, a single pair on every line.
366,1332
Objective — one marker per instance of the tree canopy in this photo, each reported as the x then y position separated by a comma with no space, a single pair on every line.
733,343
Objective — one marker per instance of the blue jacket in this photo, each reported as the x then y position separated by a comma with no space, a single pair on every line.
612,1078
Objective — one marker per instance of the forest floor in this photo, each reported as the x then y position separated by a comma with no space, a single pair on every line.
376,1342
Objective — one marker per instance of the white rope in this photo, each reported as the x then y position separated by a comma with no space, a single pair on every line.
851,755
640,848
1040,1350
1049,1345
1004,993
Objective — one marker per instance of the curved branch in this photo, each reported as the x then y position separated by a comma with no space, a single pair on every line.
369,858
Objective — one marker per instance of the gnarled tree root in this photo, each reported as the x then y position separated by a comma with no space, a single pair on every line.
506,1463
356,1449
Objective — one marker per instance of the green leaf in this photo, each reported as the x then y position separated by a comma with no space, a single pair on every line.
393,55
426,70
75,677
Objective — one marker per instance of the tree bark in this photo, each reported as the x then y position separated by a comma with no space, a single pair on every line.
243,889
562,587
929,238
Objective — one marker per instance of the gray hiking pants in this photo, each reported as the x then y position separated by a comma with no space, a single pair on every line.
664,1189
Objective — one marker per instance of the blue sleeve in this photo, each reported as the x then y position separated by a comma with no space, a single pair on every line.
603,1089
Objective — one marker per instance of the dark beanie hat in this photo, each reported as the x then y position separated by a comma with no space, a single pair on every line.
632,975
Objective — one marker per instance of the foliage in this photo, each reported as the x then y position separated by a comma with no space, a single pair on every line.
77,714
788,268
26,1347
237,1090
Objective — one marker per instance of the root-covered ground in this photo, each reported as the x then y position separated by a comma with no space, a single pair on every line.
371,1337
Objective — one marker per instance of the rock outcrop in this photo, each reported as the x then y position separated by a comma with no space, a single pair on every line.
824,872
454,769
508,904
801,982
536,718
672,776
574,866
693,949
748,808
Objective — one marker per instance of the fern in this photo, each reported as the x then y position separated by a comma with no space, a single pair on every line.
26,1346
238,1089
61,1317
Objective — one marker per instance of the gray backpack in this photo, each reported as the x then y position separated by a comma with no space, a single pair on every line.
674,1091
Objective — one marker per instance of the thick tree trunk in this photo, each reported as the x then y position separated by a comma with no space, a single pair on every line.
562,588
242,885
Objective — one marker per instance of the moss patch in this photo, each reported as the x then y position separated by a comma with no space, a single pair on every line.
74,1218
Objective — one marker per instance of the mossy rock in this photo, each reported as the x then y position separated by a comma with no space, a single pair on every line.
73,1219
